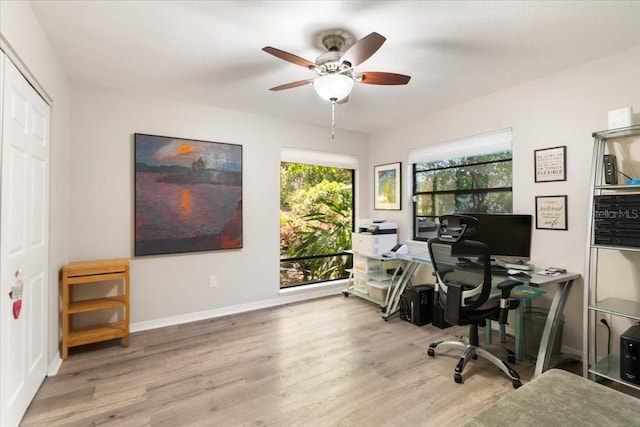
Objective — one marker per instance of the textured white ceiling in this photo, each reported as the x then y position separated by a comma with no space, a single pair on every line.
210,51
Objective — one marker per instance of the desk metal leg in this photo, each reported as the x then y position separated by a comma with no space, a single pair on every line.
395,279
551,328
398,287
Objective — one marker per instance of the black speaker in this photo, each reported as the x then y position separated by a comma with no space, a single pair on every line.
416,304
630,355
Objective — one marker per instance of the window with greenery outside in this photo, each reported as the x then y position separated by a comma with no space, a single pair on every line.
316,221
473,184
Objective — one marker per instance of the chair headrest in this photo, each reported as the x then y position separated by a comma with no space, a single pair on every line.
457,227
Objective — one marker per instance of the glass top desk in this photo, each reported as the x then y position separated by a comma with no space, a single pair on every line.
561,284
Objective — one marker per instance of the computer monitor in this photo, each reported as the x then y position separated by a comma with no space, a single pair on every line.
508,236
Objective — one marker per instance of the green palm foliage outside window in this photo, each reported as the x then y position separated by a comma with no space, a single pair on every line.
316,221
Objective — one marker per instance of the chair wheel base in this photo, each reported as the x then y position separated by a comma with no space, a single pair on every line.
517,384
458,378
511,358
431,351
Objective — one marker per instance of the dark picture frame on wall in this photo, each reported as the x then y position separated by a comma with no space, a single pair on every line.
550,164
551,213
387,186
188,195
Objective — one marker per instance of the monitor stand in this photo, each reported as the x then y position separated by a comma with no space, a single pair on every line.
512,264
519,265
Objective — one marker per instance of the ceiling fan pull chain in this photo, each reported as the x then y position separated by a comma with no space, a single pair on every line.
333,118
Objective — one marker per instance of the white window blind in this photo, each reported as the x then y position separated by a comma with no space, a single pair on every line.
480,144
321,158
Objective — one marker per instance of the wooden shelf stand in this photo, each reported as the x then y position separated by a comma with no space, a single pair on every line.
86,272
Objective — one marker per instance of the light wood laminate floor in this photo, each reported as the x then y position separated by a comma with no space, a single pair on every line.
327,362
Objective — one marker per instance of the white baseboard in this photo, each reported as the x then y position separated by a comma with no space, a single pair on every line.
286,296
54,366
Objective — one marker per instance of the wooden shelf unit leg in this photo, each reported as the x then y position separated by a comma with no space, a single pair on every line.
127,320
65,317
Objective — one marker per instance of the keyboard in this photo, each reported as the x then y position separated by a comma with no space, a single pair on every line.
498,270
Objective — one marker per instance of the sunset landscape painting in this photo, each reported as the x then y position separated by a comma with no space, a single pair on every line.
188,195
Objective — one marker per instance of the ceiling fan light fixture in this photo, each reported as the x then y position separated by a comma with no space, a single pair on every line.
333,87
335,67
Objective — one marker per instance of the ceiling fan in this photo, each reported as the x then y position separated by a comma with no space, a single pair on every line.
335,68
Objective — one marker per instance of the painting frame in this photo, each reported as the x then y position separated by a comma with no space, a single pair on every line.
551,213
387,186
187,195
550,164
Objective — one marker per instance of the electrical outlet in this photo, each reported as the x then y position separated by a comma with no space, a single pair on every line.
213,281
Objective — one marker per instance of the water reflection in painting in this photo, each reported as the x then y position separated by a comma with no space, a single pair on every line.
188,195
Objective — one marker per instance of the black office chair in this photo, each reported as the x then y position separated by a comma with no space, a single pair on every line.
463,289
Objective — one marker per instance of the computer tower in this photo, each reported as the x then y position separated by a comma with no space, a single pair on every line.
416,303
630,355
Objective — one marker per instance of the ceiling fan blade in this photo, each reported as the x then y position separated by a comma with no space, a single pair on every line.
361,50
293,84
290,57
381,78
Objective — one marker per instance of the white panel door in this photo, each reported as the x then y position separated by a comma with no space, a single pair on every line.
24,215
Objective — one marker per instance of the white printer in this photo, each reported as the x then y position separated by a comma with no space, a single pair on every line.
375,237
373,226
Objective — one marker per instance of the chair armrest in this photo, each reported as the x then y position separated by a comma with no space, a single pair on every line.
505,288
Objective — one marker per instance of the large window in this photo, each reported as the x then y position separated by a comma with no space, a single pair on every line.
466,176
316,222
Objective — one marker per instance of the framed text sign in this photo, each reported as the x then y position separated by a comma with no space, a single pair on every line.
551,164
551,212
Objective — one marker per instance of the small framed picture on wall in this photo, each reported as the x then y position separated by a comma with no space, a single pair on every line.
387,186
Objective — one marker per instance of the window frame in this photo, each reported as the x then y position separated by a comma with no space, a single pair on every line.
495,142
324,159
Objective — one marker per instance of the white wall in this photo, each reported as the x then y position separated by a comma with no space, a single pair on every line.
562,109
174,288
24,42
